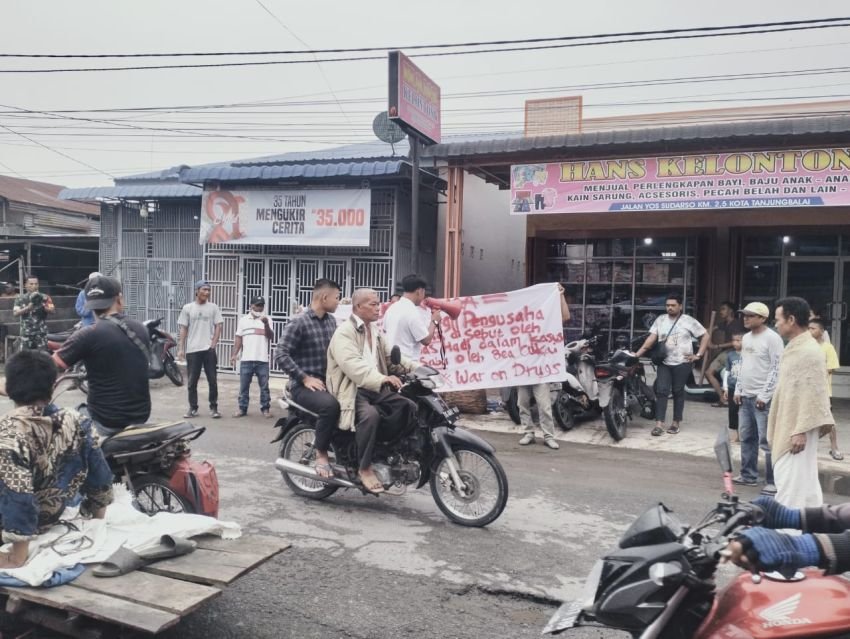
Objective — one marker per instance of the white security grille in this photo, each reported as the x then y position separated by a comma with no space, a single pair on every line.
306,273
376,274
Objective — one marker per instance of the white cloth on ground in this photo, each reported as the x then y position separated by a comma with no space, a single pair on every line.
796,476
123,526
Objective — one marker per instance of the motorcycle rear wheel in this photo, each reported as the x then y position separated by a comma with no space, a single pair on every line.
154,495
297,446
563,412
173,372
487,488
616,415
512,406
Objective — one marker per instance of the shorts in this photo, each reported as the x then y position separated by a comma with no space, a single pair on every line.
719,362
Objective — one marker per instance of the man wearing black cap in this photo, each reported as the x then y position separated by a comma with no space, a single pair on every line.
200,325
116,367
253,337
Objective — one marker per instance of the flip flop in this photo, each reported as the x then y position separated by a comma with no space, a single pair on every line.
673,430
836,455
169,546
719,404
375,489
121,562
324,470
657,431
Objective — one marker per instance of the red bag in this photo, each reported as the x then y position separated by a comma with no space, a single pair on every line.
198,484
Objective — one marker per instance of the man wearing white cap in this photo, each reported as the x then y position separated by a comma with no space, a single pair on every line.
760,355
86,317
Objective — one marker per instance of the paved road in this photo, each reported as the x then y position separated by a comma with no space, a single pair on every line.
366,567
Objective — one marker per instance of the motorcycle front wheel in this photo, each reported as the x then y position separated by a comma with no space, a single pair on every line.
154,495
616,415
562,411
512,406
297,446
486,488
173,372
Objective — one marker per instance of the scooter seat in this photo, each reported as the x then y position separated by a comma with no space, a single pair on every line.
138,437
59,337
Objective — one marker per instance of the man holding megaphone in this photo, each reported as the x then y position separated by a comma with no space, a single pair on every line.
406,323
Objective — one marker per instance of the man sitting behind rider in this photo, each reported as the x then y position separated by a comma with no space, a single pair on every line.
825,542
116,368
359,367
47,455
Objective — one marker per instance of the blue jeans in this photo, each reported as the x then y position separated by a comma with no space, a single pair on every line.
752,430
247,370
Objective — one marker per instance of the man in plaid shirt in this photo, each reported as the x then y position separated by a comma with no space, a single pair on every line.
302,353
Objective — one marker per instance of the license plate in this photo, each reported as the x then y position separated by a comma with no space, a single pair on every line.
564,618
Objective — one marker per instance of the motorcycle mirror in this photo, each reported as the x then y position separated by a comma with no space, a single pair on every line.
395,355
665,572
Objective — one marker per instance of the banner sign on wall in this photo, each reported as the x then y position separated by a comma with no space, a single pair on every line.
752,179
309,217
504,339
414,99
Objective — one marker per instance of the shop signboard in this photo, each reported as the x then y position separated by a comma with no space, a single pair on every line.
307,217
749,179
414,99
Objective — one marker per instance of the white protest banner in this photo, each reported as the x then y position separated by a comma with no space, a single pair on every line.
307,217
504,339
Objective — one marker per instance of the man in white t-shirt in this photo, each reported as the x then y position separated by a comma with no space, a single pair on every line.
200,325
406,323
253,337
676,331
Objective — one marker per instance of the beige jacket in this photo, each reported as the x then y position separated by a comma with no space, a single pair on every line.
348,370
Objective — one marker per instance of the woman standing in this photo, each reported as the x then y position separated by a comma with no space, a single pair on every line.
676,332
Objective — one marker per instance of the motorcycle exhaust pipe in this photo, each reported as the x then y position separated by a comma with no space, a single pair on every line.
286,466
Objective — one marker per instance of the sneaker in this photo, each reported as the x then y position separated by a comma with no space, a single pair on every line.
551,443
527,439
192,412
240,413
769,489
744,482
216,414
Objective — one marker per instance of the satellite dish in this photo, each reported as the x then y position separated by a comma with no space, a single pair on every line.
386,130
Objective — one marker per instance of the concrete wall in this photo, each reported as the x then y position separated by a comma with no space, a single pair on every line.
493,241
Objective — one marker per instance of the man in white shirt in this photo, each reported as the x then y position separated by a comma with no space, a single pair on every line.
200,325
253,337
406,323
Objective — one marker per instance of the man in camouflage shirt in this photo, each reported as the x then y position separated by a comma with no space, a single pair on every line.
48,457
33,307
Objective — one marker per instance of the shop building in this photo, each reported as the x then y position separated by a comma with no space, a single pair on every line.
748,209
153,225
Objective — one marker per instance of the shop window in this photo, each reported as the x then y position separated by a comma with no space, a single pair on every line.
810,245
568,249
762,245
671,247
610,248
761,280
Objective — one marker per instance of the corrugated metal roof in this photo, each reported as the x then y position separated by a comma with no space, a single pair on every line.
131,191
276,171
636,137
41,194
361,151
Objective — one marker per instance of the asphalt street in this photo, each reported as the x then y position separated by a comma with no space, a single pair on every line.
391,567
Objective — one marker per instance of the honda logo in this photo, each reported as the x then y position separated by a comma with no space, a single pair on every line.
780,614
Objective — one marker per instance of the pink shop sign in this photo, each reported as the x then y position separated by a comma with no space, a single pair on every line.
750,179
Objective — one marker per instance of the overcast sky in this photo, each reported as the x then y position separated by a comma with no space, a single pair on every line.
343,97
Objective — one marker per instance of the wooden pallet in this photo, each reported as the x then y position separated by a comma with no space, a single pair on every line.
148,600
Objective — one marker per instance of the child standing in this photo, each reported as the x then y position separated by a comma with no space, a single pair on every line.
818,330
730,381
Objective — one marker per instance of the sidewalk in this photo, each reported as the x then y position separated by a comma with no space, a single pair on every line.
700,426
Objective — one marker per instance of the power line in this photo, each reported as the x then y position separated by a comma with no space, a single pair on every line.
219,65
455,45
57,152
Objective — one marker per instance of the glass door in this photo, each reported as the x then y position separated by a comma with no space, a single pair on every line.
816,282
841,334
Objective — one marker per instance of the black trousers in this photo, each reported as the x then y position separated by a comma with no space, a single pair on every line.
326,406
671,380
369,425
207,361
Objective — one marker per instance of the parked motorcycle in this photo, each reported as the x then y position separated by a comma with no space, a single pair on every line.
467,482
163,343
77,374
659,583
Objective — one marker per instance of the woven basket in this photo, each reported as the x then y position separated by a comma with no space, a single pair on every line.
473,402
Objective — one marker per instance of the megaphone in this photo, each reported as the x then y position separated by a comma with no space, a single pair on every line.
450,308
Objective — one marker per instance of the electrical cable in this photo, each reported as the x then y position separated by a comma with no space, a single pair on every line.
64,155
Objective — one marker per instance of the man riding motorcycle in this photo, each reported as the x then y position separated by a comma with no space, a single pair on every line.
359,367
116,364
825,541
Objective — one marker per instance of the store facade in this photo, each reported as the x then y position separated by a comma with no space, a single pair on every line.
745,211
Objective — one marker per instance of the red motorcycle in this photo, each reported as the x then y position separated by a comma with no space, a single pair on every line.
659,583
77,374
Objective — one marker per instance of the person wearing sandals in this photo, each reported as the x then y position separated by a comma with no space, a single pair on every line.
818,331
676,331
761,351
